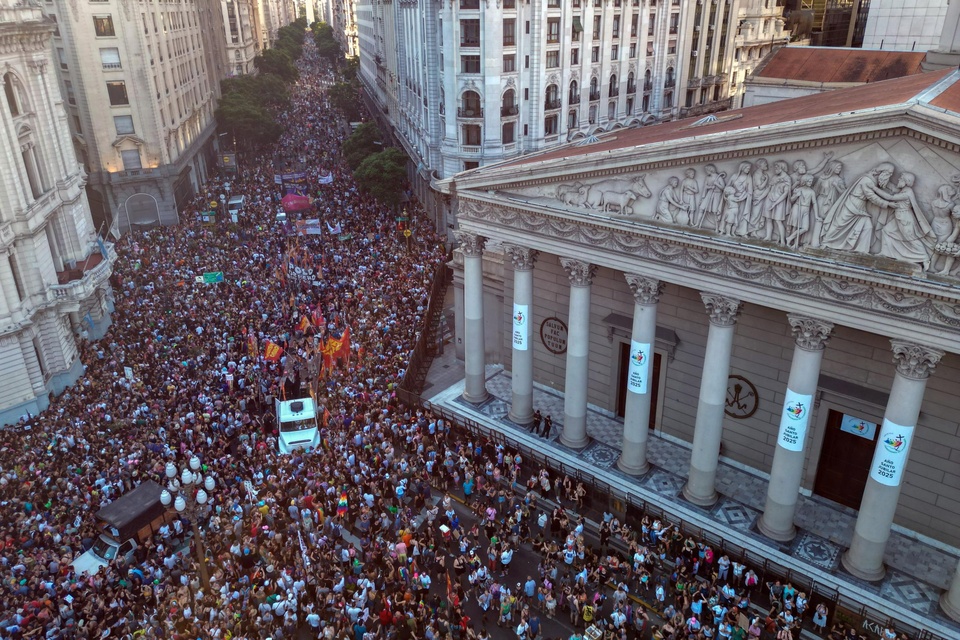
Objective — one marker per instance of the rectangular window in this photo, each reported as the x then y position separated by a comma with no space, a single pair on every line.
509,32
550,125
616,26
553,30
103,26
615,52
576,4
649,48
469,64
17,280
596,27
526,62
674,22
37,354
471,134
131,159
110,58
595,54
118,93
526,27
124,125
470,164
526,130
509,63
509,4
526,94
553,4
553,59
76,125
469,4
469,33
634,24
508,132
633,49
574,56
62,56
653,19
56,25
68,88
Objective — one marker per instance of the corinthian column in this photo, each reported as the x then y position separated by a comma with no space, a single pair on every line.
636,417
708,430
914,364
471,245
521,406
810,336
574,433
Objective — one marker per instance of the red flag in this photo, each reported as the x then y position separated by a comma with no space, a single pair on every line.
304,324
272,351
317,316
344,350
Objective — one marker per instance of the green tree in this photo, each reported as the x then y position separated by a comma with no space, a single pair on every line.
251,124
278,63
344,96
383,175
362,143
264,89
351,68
327,45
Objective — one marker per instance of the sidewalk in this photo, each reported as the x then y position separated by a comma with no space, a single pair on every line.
917,572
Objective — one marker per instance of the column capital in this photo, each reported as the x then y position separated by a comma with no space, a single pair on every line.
523,258
913,360
723,311
580,272
809,333
646,291
470,243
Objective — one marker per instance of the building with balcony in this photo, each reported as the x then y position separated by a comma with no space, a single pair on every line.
465,83
244,34
53,272
345,25
141,83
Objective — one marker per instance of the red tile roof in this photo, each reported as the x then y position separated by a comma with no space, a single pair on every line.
867,96
829,64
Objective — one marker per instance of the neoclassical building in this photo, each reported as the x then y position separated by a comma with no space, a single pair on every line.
776,287
53,273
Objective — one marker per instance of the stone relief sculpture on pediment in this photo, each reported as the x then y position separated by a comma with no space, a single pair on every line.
895,199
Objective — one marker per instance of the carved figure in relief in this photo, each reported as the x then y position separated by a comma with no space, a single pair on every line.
775,210
713,184
743,187
906,235
670,204
804,211
948,247
800,168
829,186
618,194
942,207
568,193
753,225
731,209
688,194
848,225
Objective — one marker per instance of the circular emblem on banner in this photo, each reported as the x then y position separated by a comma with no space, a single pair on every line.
894,442
553,335
519,317
742,398
796,410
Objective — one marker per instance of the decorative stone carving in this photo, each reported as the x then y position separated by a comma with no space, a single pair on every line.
723,311
523,258
617,194
711,197
669,204
809,333
913,360
646,291
470,243
579,272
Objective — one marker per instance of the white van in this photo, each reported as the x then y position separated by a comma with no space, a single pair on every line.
297,423
235,206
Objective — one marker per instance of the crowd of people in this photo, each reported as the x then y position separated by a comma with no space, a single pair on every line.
359,539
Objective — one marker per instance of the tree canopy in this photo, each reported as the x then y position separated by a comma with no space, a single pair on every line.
365,141
383,175
345,97
277,62
327,45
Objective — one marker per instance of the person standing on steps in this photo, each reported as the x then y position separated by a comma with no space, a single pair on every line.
535,425
547,425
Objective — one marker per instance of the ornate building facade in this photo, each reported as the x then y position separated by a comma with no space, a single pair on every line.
53,272
778,287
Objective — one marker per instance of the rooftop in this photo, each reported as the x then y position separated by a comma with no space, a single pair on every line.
837,65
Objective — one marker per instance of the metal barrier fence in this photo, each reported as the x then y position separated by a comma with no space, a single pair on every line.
869,622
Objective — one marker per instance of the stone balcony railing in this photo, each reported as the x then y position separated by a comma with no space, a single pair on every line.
80,289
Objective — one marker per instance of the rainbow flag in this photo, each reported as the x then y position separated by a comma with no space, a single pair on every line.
342,505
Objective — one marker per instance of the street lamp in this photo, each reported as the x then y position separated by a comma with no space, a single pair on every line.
192,490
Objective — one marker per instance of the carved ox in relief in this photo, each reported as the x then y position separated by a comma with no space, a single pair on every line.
616,194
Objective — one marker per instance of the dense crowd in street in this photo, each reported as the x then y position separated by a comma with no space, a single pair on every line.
361,538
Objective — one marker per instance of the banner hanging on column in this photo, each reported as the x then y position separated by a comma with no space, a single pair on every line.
890,456
638,373
521,319
794,421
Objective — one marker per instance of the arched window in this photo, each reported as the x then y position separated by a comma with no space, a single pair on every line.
11,89
614,86
593,114
594,88
612,110
470,105
508,106
670,78
31,162
647,80
552,100
574,92
631,83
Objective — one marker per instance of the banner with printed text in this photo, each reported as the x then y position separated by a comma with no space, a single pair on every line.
638,373
858,427
521,323
890,455
794,421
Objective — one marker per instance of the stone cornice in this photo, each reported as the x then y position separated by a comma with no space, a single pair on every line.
859,296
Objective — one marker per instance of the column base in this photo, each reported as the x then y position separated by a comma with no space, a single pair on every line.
478,399
776,534
700,501
632,470
578,444
868,575
952,610
522,420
